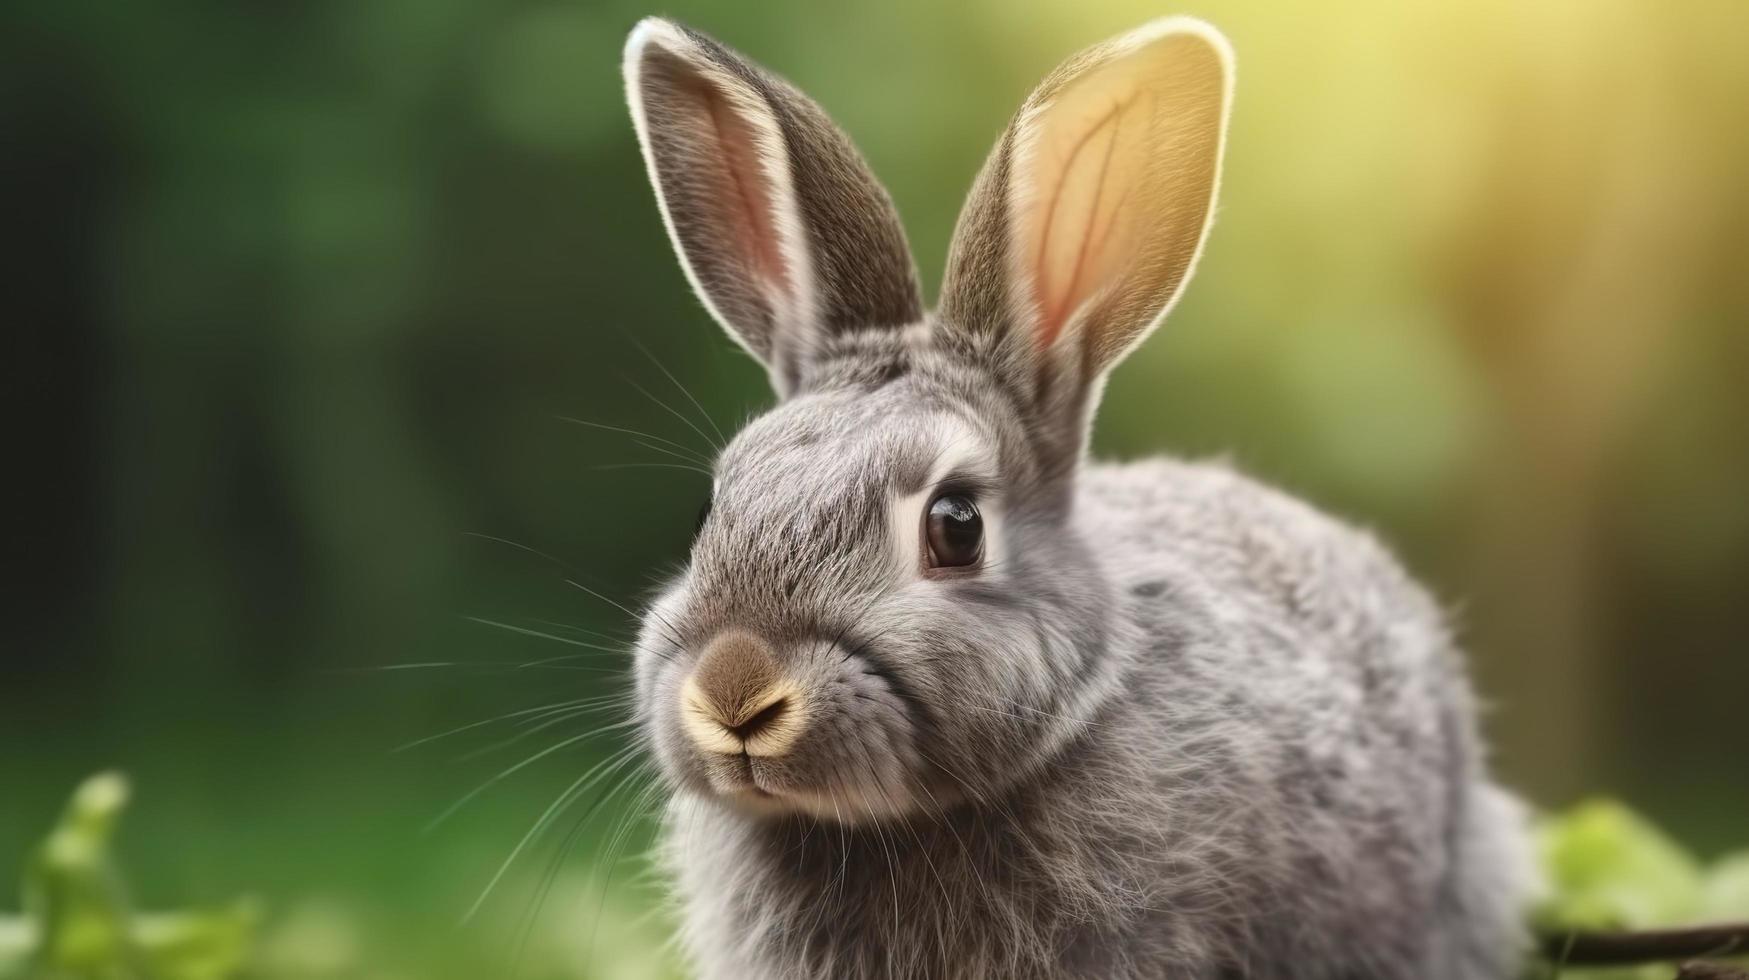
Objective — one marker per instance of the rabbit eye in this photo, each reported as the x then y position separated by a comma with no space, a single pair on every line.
955,532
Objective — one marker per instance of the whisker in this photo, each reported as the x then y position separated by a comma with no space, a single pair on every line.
683,389
616,842
485,666
564,850
634,433
495,780
429,665
495,539
1040,711
672,411
562,705
673,635
892,872
687,457
581,785
543,725
947,822
916,837
570,656
567,627
541,634
616,699
655,466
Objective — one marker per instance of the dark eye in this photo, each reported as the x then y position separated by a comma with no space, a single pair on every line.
955,532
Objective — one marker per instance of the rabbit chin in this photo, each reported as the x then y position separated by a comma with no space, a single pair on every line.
850,806
741,786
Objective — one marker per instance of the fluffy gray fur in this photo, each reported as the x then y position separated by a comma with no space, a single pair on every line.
1178,724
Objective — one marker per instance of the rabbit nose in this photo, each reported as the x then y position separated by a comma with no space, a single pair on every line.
739,701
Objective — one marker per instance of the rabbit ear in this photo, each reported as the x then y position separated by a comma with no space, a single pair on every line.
1089,215
782,230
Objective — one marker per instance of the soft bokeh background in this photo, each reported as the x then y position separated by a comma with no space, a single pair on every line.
299,292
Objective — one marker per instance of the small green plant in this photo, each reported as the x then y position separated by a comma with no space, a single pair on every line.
78,923
1609,869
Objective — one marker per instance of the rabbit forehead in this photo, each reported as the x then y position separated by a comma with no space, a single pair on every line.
847,444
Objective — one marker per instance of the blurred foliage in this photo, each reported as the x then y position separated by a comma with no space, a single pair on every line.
299,291
1609,868
78,923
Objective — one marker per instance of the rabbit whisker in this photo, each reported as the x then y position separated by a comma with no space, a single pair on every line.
679,449
558,706
722,439
671,410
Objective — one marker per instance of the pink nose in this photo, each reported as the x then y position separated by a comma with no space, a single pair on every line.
738,700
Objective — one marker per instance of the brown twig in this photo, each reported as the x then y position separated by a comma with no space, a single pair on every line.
1710,971
1646,945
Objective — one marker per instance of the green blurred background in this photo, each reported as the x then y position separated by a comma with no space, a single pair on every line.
299,292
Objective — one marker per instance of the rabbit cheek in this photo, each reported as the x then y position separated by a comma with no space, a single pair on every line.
863,752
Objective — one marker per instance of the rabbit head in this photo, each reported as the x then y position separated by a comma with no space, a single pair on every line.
888,606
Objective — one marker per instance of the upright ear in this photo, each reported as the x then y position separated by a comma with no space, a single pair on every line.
1088,217
782,230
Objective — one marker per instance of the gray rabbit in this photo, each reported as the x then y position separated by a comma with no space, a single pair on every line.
937,697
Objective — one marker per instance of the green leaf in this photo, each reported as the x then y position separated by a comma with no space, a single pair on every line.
209,945
73,894
17,941
1726,896
1609,868
78,924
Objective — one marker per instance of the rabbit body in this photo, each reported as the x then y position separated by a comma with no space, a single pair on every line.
933,697
1289,785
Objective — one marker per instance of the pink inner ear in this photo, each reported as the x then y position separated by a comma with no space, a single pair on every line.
1084,195
744,191
1114,174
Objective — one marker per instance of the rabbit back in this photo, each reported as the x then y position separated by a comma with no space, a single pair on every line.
1298,696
